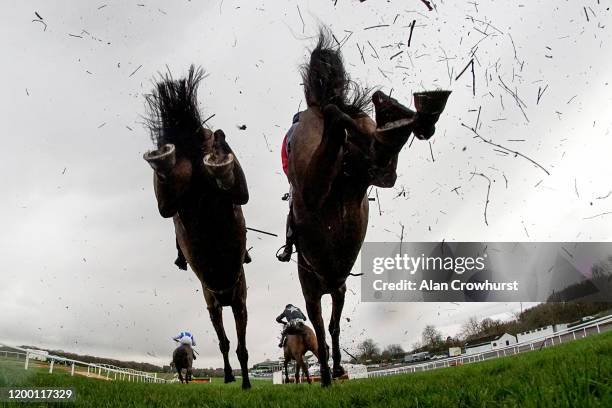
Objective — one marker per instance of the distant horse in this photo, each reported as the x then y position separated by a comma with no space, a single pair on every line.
182,358
296,346
200,184
337,152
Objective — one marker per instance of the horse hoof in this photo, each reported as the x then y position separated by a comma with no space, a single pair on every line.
246,385
163,159
325,378
230,378
338,372
425,133
388,110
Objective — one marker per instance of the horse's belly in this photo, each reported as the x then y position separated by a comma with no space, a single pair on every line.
331,242
216,254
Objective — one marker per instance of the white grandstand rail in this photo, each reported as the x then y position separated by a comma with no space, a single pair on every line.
541,342
107,371
8,353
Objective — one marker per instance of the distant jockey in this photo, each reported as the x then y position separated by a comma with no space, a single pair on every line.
285,256
295,321
187,338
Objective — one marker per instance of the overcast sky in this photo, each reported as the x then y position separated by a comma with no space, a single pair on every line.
87,260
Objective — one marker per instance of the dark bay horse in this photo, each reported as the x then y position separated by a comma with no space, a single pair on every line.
182,358
336,154
199,183
296,346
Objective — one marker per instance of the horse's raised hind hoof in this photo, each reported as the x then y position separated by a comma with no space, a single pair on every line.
229,378
388,109
338,372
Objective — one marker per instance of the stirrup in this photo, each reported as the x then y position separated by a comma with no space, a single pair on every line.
284,256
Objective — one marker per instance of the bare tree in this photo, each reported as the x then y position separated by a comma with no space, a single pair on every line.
471,328
393,351
368,350
489,327
431,336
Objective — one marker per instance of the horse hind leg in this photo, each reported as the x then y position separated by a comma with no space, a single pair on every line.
216,316
240,316
297,372
305,369
286,363
313,307
180,374
334,329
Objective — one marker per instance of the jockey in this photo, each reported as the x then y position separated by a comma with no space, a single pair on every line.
295,319
285,256
187,338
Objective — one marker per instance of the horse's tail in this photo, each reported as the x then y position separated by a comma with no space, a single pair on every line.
172,112
326,81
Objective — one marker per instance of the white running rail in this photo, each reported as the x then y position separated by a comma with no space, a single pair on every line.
579,331
107,371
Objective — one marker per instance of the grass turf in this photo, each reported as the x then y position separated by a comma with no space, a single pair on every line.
577,374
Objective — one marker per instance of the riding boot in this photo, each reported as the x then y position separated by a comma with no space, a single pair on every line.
180,261
285,256
194,355
282,341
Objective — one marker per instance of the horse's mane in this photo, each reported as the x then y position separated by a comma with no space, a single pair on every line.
172,112
326,81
